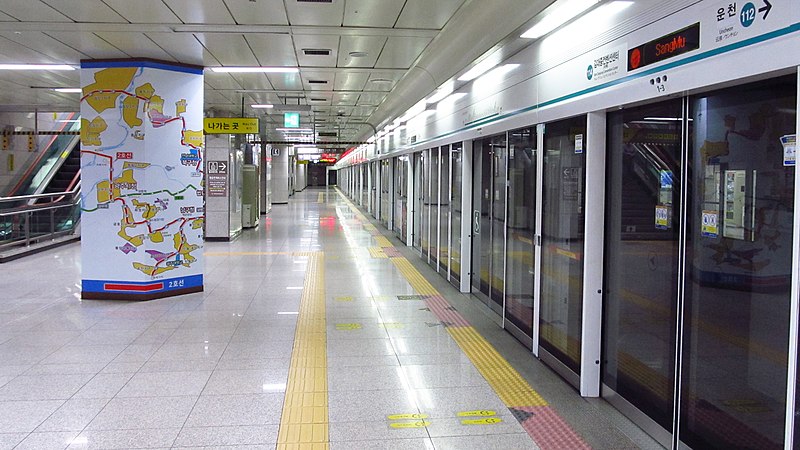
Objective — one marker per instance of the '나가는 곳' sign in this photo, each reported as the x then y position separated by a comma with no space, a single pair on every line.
230,125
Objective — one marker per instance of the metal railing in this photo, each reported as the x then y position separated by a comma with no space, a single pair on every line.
27,219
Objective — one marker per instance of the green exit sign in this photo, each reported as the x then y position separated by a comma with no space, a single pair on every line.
291,120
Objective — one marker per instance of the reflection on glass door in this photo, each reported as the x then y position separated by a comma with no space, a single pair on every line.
433,207
641,256
697,294
444,210
456,214
400,224
386,201
488,244
420,182
738,270
521,230
562,241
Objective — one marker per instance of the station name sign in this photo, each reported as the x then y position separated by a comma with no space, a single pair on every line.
665,47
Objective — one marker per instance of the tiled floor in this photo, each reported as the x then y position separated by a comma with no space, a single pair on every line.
211,369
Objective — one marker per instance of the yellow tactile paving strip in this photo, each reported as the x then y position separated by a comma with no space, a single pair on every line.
377,252
304,421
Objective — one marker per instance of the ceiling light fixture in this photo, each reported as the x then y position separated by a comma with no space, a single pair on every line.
358,54
69,90
442,92
35,67
233,69
556,15
262,106
479,69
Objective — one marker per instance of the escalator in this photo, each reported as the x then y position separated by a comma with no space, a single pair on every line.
43,204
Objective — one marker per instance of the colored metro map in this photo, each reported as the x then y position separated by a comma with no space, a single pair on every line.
141,166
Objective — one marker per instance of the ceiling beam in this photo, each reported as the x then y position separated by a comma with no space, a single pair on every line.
204,28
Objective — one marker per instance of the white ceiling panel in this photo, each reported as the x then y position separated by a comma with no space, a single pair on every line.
143,11
6,18
401,52
262,98
371,45
33,11
45,78
86,10
260,12
184,48
252,80
273,49
200,11
316,42
212,96
286,81
350,81
14,52
427,14
372,13
330,14
221,81
136,44
230,49
88,43
317,75
345,99
43,43
371,98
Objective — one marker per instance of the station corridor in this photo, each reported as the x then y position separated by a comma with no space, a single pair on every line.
315,330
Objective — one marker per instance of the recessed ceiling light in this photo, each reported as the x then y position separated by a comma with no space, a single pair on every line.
69,90
558,14
262,106
35,67
358,54
380,80
232,69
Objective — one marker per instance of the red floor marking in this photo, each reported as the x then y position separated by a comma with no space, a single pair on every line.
442,309
549,430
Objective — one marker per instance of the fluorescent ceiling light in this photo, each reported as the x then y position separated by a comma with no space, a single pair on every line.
561,12
443,91
35,67
69,90
262,106
296,130
482,67
232,69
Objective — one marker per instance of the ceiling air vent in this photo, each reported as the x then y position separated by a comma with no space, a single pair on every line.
316,51
318,99
326,134
317,82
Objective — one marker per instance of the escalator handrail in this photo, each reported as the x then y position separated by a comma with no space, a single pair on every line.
16,198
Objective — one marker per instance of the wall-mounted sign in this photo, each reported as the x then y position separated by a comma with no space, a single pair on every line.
217,178
291,120
230,125
276,152
665,47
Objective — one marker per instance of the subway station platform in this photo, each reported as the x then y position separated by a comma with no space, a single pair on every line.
315,330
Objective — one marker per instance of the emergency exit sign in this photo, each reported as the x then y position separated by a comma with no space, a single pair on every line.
291,120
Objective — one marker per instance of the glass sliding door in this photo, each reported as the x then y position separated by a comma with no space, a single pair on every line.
488,244
643,192
386,201
444,209
456,213
698,264
400,224
738,280
420,197
562,241
522,186
433,199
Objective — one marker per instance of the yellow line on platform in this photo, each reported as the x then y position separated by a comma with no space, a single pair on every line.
304,421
